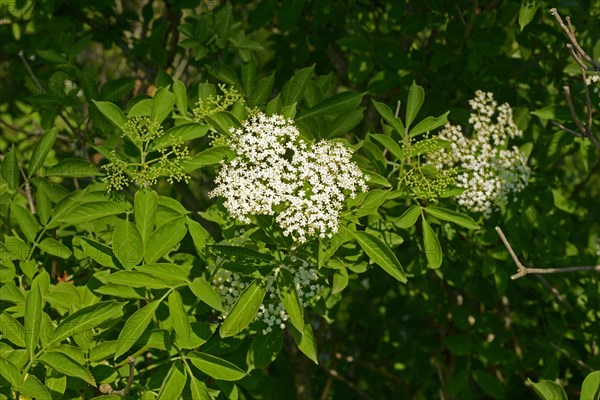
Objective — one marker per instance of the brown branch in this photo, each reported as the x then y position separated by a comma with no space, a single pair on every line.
569,31
107,389
523,270
570,357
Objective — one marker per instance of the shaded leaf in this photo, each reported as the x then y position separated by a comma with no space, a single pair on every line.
127,244
87,318
162,240
433,249
66,365
174,383
416,97
306,342
452,216
134,327
179,318
289,298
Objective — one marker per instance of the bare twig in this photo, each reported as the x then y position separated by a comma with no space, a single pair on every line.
570,357
523,270
28,191
554,291
569,31
107,389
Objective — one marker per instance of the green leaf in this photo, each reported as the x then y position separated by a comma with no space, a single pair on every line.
389,144
10,169
71,168
179,318
409,217
44,205
91,211
198,389
591,387
41,150
548,390
340,281
10,372
416,96
134,327
66,365
289,298
179,134
262,91
174,382
452,216
428,124
167,272
33,388
87,318
293,89
328,247
241,252
388,116
490,384
264,349
97,251
162,240
375,178
306,342
433,249
139,279
335,104
111,112
33,318
26,221
55,248
127,243
162,105
244,310
380,253
345,122
371,203
142,108
200,236
222,121
145,207
206,293
12,329
249,76
211,156
180,96
527,12
224,73
216,367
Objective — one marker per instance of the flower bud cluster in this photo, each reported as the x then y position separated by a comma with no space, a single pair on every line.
276,172
271,312
489,169
215,103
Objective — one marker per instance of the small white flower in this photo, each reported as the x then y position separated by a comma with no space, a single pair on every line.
490,171
274,166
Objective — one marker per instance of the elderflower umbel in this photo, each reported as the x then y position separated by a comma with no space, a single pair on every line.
489,170
275,167
271,312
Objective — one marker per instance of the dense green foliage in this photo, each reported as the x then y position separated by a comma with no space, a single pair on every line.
121,251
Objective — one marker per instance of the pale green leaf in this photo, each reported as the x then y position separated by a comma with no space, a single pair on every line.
66,365
145,207
289,298
305,340
174,383
12,329
163,239
428,124
409,217
452,216
591,387
162,105
216,367
87,318
10,372
416,97
388,116
244,310
206,293
33,388
380,253
433,249
55,248
33,318
179,319
134,327
41,150
127,244
111,112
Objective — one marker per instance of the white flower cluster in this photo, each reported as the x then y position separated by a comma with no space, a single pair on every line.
276,172
489,170
593,80
271,312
